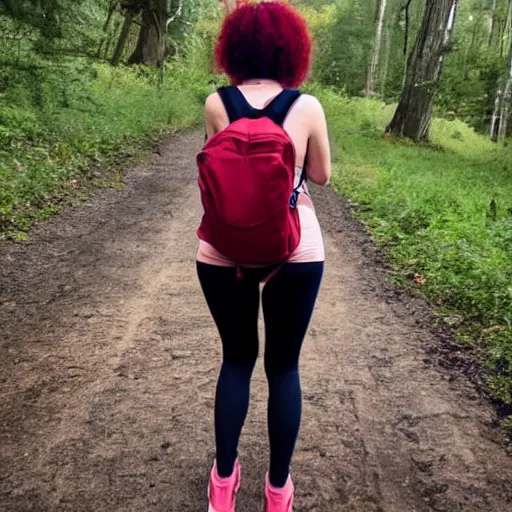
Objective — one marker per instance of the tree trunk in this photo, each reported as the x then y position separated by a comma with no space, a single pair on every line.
449,27
407,17
506,35
176,15
506,101
508,25
111,37
387,56
503,98
150,49
496,115
111,9
414,112
492,22
123,36
374,66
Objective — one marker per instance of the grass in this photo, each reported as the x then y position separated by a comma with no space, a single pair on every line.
63,124
443,214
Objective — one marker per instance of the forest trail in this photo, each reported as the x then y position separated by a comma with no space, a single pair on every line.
109,362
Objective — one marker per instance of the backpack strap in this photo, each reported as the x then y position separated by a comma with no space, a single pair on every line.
237,106
235,103
278,108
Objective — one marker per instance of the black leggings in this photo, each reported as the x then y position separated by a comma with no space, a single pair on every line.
288,300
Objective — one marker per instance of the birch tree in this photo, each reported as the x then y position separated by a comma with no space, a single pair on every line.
503,97
506,102
374,66
387,56
506,33
494,129
492,21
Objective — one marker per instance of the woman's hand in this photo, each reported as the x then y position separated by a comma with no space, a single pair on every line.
229,5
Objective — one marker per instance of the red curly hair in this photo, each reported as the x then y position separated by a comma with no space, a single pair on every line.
264,40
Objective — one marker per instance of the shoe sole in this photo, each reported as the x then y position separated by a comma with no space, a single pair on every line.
263,508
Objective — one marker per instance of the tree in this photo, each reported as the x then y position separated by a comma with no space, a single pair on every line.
407,21
495,125
387,56
156,18
129,14
492,21
507,29
151,41
112,6
506,102
374,66
351,44
503,97
414,112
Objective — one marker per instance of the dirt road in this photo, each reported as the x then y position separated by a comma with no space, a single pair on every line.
109,360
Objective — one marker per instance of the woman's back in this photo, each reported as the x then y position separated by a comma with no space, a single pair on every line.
305,124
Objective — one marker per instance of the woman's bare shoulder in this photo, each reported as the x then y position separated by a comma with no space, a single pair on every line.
214,113
213,103
311,104
310,110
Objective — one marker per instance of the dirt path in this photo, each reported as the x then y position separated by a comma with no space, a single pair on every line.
109,360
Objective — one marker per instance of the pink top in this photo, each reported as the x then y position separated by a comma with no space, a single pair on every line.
311,247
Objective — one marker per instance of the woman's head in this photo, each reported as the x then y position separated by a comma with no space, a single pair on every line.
265,40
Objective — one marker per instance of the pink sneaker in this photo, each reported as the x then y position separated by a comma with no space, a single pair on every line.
222,491
279,500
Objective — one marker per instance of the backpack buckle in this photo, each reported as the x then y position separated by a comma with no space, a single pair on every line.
294,199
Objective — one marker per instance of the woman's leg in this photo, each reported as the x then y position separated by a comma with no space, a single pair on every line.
234,305
288,302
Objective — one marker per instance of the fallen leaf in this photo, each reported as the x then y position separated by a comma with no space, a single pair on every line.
420,280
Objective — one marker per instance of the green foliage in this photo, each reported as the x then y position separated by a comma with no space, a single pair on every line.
349,28
430,208
197,10
41,14
60,122
65,21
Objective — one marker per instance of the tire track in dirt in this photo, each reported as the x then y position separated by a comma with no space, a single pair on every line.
109,361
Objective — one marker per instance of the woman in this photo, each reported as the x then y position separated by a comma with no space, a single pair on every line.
265,48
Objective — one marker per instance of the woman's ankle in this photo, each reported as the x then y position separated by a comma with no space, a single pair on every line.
226,471
278,481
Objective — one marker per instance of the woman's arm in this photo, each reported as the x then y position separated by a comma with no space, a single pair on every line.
215,117
319,150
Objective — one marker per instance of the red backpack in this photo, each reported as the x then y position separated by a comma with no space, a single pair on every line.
246,179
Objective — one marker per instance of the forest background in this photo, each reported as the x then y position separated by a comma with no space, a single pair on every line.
418,95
